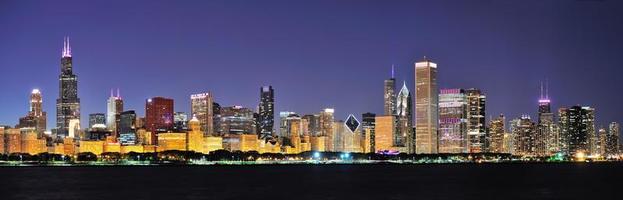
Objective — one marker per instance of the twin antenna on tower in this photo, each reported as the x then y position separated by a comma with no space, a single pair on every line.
546,97
66,48
118,94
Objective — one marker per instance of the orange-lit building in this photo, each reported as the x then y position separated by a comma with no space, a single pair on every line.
384,132
171,141
32,145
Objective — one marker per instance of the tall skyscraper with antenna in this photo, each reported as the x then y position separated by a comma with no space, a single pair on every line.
68,103
389,92
113,110
547,137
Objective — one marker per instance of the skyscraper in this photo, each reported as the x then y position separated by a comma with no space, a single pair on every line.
612,139
368,123
267,112
547,135
127,127
524,136
36,117
158,116
201,106
476,129
68,103
426,102
180,122
389,92
113,109
97,118
404,135
576,129
452,121
496,135
237,120
326,128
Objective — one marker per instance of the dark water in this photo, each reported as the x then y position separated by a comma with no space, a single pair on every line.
469,181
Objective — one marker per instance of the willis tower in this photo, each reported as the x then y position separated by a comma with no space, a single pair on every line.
68,103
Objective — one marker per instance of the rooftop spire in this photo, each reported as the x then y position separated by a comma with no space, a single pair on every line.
541,89
111,94
546,89
118,94
393,71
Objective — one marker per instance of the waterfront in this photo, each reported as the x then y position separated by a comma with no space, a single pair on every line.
378,181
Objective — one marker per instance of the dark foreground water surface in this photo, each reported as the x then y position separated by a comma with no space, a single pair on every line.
459,181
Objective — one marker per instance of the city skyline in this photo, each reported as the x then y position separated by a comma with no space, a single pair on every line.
93,92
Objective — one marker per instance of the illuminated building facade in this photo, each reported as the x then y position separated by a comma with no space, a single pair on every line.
36,117
389,91
547,133
97,118
612,139
452,121
158,116
368,122
497,135
172,141
180,122
404,133
114,108
266,112
236,120
352,137
202,107
524,132
326,128
577,126
127,128
476,121
195,136
68,103
313,124
384,132
426,102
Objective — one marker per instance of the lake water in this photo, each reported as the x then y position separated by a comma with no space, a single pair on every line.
381,181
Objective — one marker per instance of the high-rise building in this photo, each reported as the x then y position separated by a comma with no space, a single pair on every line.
612,139
127,128
97,118
216,113
113,109
36,117
326,128
547,134
577,127
476,121
180,122
452,121
313,126
236,120
367,127
404,134
202,107
426,102
524,132
496,135
158,116
384,133
283,123
267,112
389,92
351,139
68,103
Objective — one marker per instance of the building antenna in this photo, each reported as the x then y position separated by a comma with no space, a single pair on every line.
393,70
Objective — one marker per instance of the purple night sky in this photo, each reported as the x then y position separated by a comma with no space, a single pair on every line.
315,54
